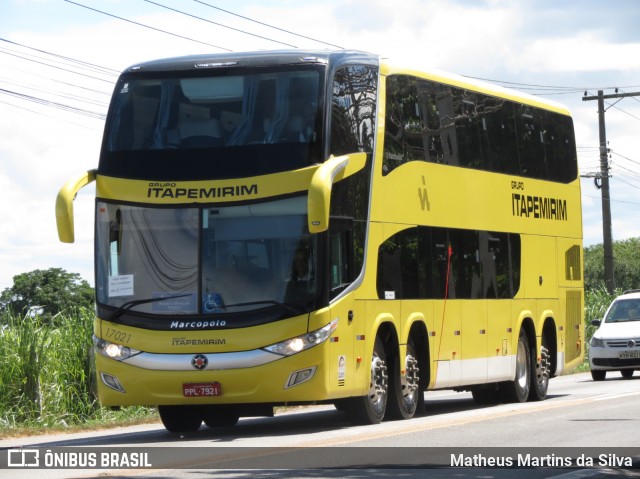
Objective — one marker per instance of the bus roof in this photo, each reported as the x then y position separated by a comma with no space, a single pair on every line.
255,59
391,66
338,57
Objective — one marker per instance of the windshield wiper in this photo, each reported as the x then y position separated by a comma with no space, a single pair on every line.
130,304
266,301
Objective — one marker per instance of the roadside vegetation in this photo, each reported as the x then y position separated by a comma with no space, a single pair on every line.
47,377
47,381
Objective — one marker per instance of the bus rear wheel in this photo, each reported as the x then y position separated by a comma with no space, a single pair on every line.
181,418
540,380
370,409
518,389
404,390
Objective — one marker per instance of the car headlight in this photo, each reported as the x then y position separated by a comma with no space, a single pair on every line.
304,341
115,351
596,342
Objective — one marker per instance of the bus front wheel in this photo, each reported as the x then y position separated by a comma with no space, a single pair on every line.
221,416
180,418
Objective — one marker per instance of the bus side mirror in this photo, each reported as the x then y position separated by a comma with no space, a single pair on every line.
331,171
64,204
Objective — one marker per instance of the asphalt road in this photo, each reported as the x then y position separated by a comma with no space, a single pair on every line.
583,429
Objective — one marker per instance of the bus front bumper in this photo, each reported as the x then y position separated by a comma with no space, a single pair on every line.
182,379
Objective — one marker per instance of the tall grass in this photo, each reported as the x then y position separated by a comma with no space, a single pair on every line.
46,373
596,302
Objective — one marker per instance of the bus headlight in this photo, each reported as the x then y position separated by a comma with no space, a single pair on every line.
113,350
304,341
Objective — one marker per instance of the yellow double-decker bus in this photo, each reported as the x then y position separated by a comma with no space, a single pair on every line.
298,227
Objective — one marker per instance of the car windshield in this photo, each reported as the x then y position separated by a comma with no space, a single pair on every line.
624,310
206,260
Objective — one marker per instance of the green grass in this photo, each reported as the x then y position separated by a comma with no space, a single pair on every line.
47,377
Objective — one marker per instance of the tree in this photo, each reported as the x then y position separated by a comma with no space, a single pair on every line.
626,269
47,292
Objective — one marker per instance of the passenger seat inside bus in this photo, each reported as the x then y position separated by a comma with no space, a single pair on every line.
295,130
197,133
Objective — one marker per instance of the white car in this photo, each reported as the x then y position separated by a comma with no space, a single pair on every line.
615,346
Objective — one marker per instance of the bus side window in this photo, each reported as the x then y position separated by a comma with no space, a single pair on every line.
340,255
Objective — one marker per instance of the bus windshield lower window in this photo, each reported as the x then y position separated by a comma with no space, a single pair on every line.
206,260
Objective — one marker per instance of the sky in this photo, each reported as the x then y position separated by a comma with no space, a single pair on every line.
59,60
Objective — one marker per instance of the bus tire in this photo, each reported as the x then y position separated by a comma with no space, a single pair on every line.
221,416
484,396
180,418
370,409
518,389
542,372
404,392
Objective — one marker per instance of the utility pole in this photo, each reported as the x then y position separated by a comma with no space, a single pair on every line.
607,236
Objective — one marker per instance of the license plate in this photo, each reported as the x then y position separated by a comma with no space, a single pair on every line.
194,390
629,355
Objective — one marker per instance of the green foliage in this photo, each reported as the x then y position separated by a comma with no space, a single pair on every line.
596,302
46,373
47,293
626,269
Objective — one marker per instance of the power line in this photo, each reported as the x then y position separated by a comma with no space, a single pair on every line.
48,116
54,66
61,106
626,158
219,24
267,25
59,94
74,60
147,26
546,89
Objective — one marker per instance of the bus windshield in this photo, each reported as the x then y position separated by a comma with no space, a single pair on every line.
251,257
227,122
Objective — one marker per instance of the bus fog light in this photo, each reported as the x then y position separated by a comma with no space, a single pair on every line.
112,382
299,377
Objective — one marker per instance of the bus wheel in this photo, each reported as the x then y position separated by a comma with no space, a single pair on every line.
540,380
518,389
370,409
221,416
485,396
405,390
181,418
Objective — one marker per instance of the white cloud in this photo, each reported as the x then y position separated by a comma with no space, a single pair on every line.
583,53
